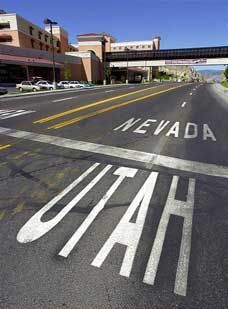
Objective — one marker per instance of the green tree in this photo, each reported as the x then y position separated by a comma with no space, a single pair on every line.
67,71
226,72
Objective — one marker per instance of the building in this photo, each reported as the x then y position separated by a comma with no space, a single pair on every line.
26,52
136,45
17,31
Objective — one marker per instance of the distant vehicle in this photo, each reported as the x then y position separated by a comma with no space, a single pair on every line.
76,84
44,84
88,85
63,84
36,79
27,86
3,90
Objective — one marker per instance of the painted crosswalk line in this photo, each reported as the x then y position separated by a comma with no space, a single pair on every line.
10,113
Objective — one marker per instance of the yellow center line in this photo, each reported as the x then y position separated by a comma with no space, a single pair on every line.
104,110
70,111
5,146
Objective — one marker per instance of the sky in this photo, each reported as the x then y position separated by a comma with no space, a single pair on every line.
179,23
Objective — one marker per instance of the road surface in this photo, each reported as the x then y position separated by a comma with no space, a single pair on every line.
114,198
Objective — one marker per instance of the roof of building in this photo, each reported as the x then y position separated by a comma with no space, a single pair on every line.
89,34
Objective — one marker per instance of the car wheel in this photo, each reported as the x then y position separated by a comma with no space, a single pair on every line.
21,89
34,90
51,88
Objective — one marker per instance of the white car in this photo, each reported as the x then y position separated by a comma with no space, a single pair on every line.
27,86
63,84
76,84
44,84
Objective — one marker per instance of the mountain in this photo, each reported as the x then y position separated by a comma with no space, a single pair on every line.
209,75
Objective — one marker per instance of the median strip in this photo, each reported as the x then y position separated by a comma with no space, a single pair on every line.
80,108
107,109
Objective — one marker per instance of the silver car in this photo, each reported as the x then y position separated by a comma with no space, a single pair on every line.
46,85
27,86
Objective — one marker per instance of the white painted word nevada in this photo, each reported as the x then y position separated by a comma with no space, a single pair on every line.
126,232
10,113
190,130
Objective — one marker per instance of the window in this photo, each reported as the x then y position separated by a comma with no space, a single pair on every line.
5,38
137,46
40,35
4,26
120,47
58,44
143,46
114,48
149,46
31,30
131,46
47,47
41,46
46,38
32,43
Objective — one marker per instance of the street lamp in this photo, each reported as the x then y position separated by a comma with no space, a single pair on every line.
50,22
104,60
127,49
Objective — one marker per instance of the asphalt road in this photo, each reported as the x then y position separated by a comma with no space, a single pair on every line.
114,198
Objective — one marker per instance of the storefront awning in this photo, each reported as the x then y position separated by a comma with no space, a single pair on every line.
31,61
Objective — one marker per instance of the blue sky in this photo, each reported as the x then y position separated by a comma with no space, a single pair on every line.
180,23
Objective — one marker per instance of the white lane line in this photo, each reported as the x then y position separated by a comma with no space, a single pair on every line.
14,113
183,104
150,159
109,91
132,87
65,99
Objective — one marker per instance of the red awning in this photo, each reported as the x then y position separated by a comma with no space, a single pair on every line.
27,60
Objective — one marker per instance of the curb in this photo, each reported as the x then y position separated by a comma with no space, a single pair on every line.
49,92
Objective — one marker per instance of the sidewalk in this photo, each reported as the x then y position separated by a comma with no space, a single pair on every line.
221,91
49,92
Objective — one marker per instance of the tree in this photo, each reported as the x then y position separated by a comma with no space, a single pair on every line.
226,72
108,72
67,71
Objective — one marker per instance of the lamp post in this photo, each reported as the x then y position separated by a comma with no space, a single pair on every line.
104,60
127,49
50,22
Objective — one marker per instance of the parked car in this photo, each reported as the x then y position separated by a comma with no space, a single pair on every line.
63,84
76,84
44,84
27,86
3,90
88,85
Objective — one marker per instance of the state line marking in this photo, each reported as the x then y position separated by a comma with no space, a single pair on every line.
150,159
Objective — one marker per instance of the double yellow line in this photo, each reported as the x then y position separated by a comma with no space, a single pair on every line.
80,108
4,146
101,111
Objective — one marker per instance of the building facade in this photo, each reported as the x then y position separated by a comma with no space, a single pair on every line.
27,46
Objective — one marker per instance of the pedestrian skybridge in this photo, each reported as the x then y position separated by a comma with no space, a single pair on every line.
182,56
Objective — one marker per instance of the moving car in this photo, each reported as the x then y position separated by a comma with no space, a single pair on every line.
63,84
3,90
44,84
27,86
